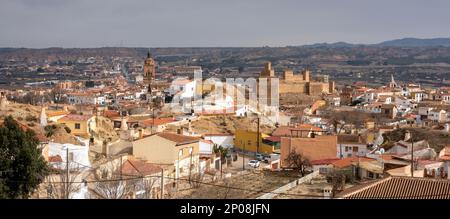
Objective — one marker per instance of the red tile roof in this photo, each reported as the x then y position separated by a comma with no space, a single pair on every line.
348,161
55,159
179,139
401,188
111,113
133,167
75,117
273,138
324,161
158,121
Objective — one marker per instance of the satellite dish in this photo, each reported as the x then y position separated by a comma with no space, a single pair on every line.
382,150
377,152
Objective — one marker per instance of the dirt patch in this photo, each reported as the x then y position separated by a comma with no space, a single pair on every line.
227,125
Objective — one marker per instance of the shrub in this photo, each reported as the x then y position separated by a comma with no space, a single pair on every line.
31,118
67,129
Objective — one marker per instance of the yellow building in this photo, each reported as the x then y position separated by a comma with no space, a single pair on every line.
246,140
80,125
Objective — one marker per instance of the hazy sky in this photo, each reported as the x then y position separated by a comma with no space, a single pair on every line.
174,23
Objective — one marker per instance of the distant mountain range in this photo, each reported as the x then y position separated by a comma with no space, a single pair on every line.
405,42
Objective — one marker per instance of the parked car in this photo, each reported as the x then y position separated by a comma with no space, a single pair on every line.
254,163
259,157
271,157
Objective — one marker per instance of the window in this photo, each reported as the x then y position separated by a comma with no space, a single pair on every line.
346,149
249,142
77,126
355,149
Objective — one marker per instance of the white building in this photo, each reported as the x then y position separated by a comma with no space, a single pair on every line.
86,98
351,145
438,115
78,154
224,140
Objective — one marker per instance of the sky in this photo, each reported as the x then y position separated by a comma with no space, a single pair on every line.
205,23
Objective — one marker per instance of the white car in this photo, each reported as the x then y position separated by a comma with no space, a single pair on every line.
254,163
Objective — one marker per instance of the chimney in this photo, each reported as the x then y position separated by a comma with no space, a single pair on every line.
327,193
141,133
179,131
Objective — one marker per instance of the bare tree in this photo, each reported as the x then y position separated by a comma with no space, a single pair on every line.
337,180
57,95
112,186
298,162
62,186
196,180
147,185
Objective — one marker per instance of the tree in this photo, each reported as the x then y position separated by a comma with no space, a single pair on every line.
338,178
298,162
21,163
67,129
109,185
50,130
222,151
62,186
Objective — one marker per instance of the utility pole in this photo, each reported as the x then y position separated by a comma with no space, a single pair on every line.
243,157
412,156
162,183
191,150
67,173
257,136
121,165
221,164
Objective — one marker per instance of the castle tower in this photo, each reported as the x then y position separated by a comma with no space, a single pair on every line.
149,70
306,75
288,75
267,71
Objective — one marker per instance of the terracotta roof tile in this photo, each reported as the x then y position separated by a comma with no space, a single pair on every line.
158,121
55,159
74,117
348,161
324,161
401,188
179,139
133,167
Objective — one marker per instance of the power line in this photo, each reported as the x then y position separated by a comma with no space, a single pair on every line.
243,189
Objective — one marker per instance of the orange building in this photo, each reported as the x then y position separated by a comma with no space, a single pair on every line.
313,148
